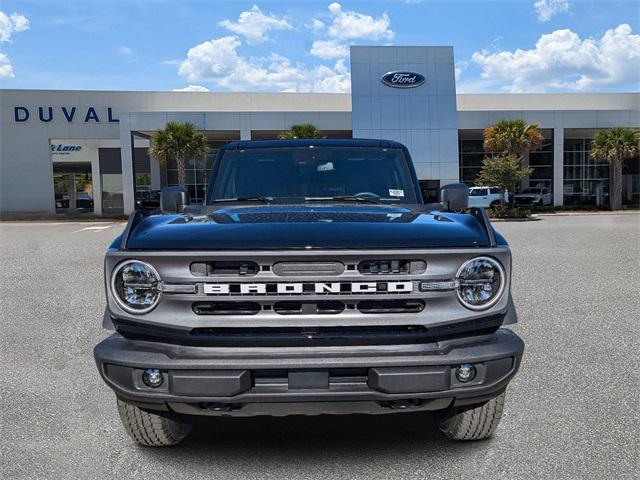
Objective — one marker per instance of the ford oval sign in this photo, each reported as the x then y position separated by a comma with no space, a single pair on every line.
402,79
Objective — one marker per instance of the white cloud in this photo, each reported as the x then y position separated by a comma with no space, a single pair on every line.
329,49
547,9
317,25
348,25
332,80
10,24
210,59
561,60
218,61
192,88
6,69
125,51
254,25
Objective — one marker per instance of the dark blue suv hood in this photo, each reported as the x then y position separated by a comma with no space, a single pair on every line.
273,227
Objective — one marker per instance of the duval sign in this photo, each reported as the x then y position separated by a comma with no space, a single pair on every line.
401,79
66,113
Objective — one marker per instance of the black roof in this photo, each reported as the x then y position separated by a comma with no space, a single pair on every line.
329,142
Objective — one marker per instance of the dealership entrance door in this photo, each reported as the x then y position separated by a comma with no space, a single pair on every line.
73,187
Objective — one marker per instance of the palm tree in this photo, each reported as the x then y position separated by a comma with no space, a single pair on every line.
180,141
614,146
305,130
513,138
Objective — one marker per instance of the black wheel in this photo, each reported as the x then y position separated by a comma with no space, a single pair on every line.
494,204
476,423
161,429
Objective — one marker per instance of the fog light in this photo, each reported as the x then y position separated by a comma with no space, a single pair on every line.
152,377
465,372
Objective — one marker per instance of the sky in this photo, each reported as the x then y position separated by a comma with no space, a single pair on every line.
499,46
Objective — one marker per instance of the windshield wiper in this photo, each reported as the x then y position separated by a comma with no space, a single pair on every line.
244,199
343,198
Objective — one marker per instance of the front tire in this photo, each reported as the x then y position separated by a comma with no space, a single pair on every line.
474,424
162,429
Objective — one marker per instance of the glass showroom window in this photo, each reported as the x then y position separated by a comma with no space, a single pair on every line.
586,181
471,156
197,172
196,175
542,163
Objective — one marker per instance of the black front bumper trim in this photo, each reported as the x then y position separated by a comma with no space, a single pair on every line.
380,375
308,337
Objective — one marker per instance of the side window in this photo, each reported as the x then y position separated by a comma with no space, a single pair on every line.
430,190
494,191
545,191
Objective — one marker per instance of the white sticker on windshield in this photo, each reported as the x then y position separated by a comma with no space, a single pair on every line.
396,193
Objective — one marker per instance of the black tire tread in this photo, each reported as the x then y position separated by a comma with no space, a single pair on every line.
150,429
475,424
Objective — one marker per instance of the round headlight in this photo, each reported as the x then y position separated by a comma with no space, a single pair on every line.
135,286
481,283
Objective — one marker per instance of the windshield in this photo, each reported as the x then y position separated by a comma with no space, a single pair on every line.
312,173
531,190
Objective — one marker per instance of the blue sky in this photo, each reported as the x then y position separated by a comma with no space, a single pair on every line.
500,46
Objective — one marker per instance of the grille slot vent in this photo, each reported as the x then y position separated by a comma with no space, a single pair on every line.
323,307
226,308
207,269
391,267
390,306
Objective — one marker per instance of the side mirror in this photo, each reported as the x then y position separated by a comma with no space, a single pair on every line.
174,199
454,197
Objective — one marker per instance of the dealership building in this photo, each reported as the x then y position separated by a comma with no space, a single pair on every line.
77,151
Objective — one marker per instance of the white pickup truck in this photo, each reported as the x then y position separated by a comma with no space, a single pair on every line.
536,196
485,197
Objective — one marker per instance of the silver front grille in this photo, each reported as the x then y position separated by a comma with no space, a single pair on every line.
319,287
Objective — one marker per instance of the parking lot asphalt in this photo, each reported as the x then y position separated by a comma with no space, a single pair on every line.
572,411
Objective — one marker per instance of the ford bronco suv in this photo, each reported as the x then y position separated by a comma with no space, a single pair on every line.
313,280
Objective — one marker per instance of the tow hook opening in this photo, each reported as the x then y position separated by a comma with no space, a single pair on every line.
218,407
404,404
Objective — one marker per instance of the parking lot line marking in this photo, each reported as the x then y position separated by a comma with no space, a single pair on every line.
93,228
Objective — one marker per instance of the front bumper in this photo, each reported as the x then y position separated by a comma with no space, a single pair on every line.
309,380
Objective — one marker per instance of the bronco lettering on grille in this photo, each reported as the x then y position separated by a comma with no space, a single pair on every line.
301,288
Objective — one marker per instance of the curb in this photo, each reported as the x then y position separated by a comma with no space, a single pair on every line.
571,214
515,219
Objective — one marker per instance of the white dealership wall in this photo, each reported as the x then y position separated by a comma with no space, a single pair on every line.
424,118
26,170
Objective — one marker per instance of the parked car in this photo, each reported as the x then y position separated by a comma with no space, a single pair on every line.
485,197
84,200
304,285
537,196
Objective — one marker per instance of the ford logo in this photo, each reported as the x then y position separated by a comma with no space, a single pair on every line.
402,79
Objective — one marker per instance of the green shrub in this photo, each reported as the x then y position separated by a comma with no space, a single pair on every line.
506,212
